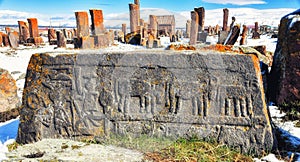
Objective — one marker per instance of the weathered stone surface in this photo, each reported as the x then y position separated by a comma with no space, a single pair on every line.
201,14
194,28
134,17
222,36
1,39
23,31
33,27
153,25
202,37
7,30
82,22
188,29
102,40
5,40
132,38
209,95
13,38
233,35
284,81
52,36
256,34
61,39
225,19
124,29
97,26
84,43
244,35
8,92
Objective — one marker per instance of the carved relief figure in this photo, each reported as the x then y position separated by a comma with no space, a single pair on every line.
87,105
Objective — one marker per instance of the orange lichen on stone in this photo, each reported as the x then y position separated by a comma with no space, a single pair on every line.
221,48
180,47
260,82
7,84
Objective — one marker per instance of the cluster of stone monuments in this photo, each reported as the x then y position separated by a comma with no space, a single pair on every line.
207,94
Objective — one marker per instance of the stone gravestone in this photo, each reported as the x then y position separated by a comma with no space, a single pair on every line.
233,35
61,39
154,93
194,28
202,37
13,39
52,36
5,40
284,85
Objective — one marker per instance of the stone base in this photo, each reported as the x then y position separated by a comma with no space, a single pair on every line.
84,42
222,37
36,41
102,40
202,37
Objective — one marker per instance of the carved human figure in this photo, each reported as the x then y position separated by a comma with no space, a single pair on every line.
89,113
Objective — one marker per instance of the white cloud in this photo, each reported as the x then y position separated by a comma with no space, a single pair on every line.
236,2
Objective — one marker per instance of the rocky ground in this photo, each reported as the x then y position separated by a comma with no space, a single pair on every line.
69,150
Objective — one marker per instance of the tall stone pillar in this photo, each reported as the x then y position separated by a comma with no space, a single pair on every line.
33,27
97,22
256,34
217,28
7,30
124,29
134,18
225,19
82,24
244,35
52,36
194,27
61,39
201,15
141,22
145,30
153,25
23,31
188,28
137,2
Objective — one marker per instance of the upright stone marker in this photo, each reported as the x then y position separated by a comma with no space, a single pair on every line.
23,32
161,94
153,25
97,22
13,38
201,14
82,22
7,30
194,28
134,18
225,19
5,40
188,29
52,36
244,35
33,27
124,29
256,34
61,39
284,85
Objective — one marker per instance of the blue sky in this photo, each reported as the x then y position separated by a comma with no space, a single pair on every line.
118,6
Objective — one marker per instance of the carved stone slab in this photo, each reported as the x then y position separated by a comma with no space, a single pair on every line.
171,94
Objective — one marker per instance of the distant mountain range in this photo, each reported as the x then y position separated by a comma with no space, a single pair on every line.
246,16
